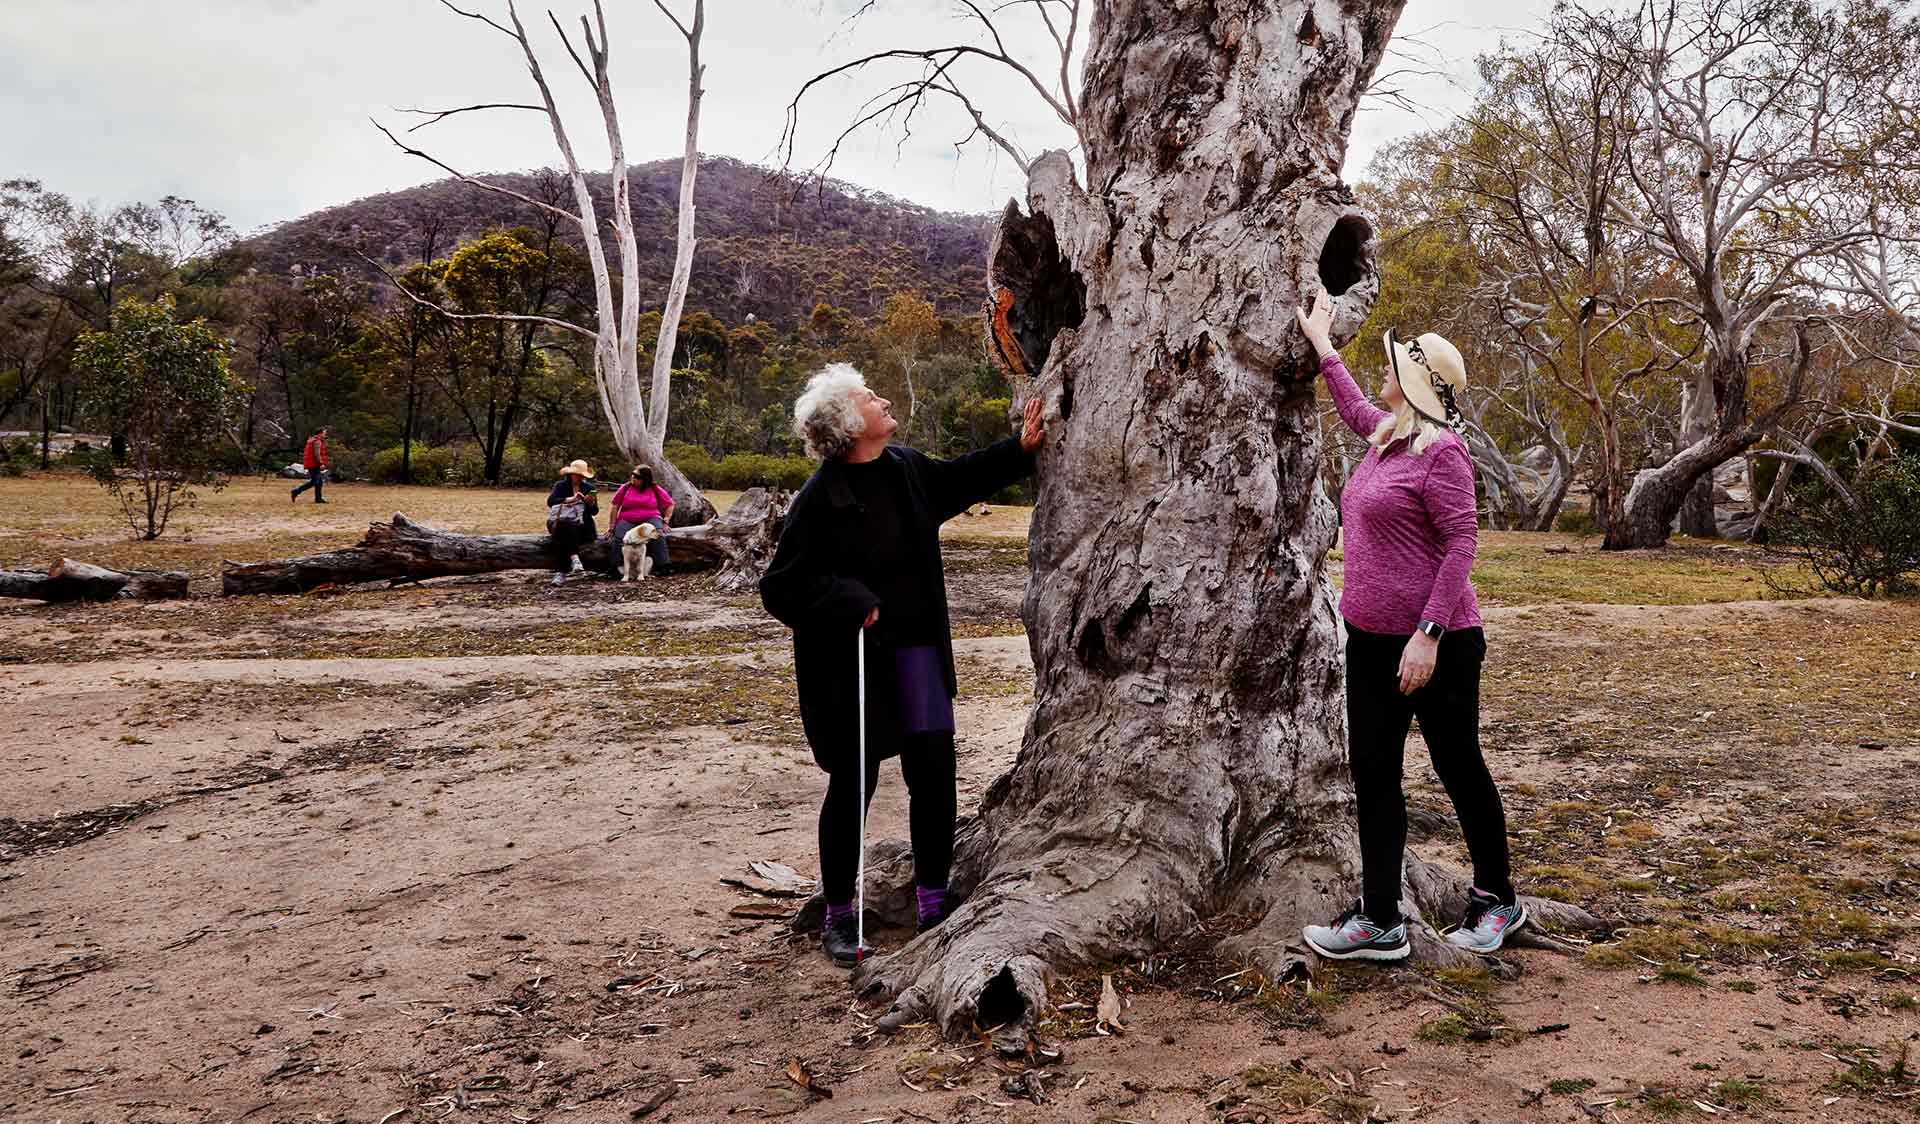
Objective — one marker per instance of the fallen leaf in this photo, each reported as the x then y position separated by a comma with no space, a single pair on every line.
800,1075
1107,1015
784,879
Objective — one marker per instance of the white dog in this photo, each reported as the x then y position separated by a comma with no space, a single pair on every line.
633,549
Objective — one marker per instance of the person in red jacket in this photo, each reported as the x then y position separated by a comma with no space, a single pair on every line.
314,460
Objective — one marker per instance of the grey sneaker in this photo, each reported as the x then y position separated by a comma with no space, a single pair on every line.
1354,937
559,579
1488,923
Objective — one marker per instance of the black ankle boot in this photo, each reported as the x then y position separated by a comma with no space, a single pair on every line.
840,940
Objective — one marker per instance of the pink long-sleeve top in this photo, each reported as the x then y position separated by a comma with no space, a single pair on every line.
1410,522
631,504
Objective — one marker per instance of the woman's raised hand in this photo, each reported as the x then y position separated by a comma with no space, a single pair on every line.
1033,432
1317,325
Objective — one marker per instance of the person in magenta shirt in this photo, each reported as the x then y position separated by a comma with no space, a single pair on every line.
1414,639
638,501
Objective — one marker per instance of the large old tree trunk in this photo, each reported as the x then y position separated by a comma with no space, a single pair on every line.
1186,752
1698,406
1658,495
739,542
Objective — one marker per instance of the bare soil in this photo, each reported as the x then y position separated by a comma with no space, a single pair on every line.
479,850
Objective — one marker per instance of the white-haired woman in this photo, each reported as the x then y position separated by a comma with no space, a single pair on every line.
1414,639
860,548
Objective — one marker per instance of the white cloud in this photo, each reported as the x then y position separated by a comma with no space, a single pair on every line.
261,110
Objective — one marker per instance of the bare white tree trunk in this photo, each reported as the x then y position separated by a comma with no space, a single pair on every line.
1186,752
1698,414
638,421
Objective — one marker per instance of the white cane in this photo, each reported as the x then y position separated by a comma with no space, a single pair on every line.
860,864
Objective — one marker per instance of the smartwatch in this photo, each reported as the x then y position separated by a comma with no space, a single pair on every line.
1432,629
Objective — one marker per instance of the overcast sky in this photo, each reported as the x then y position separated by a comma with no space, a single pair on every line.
260,108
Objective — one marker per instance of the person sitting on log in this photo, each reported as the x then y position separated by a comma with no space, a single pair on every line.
860,549
1414,639
570,510
638,501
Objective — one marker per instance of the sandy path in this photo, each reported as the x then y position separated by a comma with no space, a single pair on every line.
440,866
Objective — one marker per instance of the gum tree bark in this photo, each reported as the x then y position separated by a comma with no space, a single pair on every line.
1186,752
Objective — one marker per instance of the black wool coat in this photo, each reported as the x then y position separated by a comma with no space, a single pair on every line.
809,589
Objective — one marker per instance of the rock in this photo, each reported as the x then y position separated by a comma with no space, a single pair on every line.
1735,524
1536,457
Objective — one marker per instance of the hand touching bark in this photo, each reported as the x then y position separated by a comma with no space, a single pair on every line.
1416,662
1317,325
1033,432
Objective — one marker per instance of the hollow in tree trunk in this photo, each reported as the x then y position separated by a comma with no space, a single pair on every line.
1186,751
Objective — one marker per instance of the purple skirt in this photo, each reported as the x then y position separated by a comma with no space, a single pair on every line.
924,705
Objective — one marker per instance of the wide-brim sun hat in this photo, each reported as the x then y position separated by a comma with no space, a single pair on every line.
1431,375
577,468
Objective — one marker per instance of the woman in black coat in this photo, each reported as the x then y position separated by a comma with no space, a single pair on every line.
860,549
571,530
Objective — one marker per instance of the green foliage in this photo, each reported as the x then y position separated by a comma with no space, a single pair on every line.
750,470
165,387
17,456
1868,545
429,464
1573,522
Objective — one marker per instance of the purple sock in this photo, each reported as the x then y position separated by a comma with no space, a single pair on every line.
841,912
930,902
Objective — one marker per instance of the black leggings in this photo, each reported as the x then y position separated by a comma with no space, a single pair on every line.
927,764
1378,718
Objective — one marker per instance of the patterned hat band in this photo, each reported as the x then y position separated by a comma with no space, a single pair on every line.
1441,388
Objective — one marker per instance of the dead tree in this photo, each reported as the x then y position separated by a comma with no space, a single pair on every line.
639,421
1186,752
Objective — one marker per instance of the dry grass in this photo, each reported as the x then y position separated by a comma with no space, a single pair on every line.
44,516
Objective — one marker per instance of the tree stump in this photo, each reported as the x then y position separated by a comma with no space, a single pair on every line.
740,543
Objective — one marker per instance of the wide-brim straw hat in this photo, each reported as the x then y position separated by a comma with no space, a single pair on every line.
577,468
1428,369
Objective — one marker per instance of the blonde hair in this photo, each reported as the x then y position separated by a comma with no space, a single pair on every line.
825,416
1404,421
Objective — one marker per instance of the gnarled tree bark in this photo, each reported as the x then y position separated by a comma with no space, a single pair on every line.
67,580
739,542
1186,752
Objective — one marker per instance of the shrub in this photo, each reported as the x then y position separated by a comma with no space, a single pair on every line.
17,456
739,471
430,465
1575,523
166,386
694,460
1865,544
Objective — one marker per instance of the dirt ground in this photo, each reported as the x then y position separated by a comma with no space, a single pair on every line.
478,850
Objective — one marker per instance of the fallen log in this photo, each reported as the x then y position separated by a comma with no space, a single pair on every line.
68,580
740,543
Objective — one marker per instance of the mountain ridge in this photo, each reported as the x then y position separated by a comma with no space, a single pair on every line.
768,244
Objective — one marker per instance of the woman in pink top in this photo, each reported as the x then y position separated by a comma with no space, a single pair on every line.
1414,641
638,501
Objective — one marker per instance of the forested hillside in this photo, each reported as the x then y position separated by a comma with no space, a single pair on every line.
770,245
